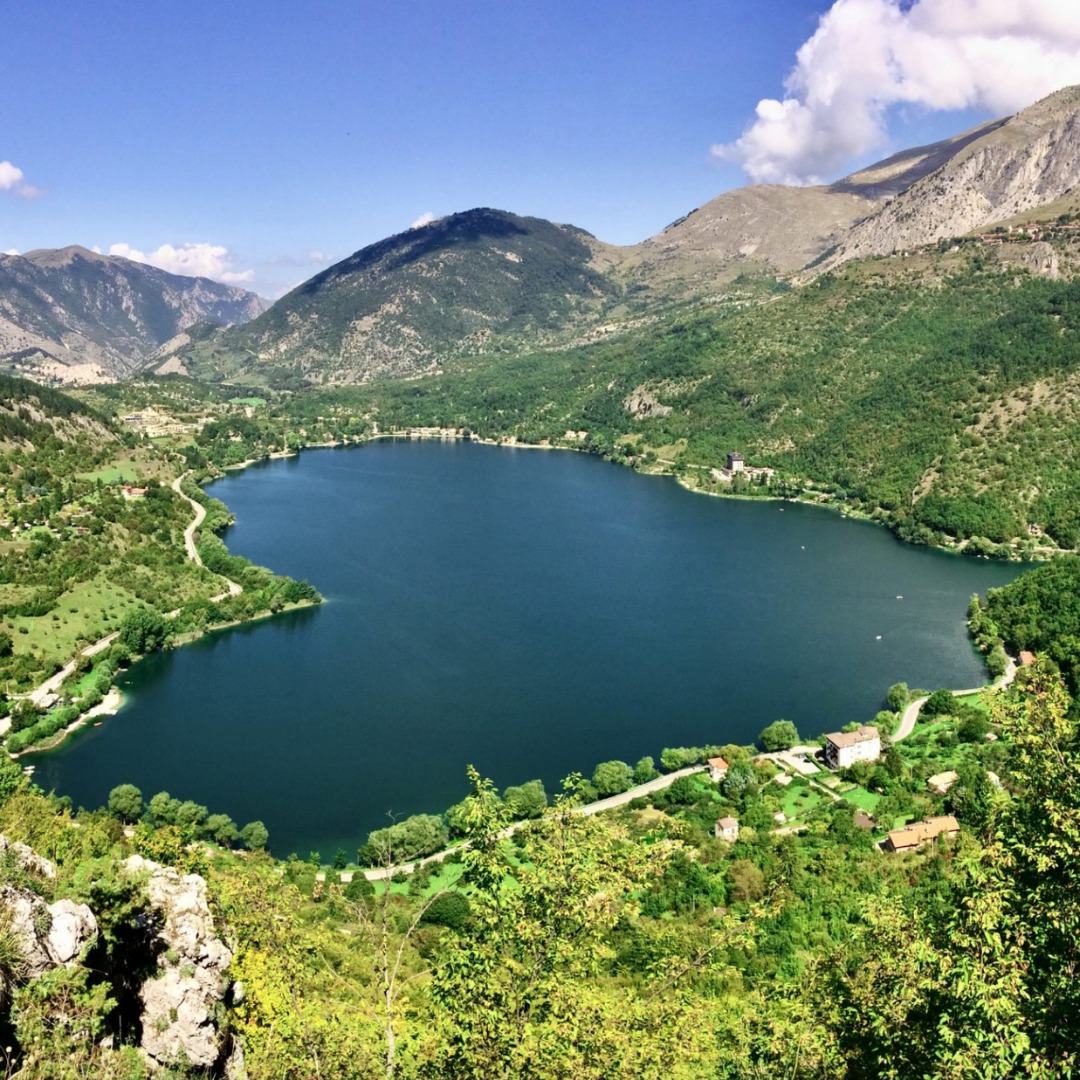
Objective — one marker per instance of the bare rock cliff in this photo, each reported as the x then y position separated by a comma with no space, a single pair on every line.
1024,162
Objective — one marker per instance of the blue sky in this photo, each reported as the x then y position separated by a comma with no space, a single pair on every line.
276,137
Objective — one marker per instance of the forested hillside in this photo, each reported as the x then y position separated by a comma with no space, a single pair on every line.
939,393
92,538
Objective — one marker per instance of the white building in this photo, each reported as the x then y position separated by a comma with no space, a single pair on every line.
844,748
727,828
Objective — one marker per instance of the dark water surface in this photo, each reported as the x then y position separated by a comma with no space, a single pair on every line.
530,613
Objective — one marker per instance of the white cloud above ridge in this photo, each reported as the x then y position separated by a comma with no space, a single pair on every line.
426,218
868,56
12,179
192,260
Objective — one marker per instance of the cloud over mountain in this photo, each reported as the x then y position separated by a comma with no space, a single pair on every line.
870,56
193,260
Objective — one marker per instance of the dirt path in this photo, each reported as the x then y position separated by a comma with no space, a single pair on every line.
598,807
911,713
189,536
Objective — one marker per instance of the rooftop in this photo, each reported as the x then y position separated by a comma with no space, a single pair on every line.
919,832
853,738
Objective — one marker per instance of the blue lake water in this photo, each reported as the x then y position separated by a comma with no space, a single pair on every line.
529,613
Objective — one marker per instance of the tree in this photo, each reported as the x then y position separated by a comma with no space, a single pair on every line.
221,829
739,780
450,909
612,778
747,882
254,836
526,801
985,985
939,703
11,777
898,696
674,758
779,735
517,991
143,631
644,771
416,836
126,802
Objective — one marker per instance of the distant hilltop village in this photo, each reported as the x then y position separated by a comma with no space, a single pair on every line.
736,466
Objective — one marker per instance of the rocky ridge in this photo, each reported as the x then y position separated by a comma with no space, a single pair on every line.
1000,171
74,316
183,1020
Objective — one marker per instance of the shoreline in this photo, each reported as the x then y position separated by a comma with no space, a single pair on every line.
113,701
108,706
1042,553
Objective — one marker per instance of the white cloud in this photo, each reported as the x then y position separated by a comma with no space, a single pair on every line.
11,179
11,251
425,218
869,55
192,260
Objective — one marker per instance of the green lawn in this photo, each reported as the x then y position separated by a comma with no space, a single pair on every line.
123,472
863,799
799,800
976,701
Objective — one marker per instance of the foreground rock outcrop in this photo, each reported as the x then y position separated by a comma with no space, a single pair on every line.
183,1016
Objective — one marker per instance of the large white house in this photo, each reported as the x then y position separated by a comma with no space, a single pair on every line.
844,748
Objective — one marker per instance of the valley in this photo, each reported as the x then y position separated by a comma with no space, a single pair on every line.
509,637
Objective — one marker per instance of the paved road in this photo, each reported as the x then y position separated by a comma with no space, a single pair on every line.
911,713
597,807
52,684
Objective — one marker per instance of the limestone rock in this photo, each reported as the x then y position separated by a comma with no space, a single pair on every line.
27,858
642,404
71,928
182,1004
1042,259
50,936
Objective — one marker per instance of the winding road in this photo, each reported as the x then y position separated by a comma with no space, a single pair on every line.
911,713
234,589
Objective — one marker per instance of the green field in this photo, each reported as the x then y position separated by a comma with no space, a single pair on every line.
85,612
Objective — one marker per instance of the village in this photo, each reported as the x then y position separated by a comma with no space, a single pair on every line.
809,774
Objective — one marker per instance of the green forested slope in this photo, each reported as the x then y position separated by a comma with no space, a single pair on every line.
91,544
943,394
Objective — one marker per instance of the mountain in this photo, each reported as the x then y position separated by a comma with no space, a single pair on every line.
487,283
72,315
999,171
464,283
783,229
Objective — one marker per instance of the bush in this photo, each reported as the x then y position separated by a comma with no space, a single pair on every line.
449,909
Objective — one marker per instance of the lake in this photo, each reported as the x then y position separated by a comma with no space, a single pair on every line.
529,613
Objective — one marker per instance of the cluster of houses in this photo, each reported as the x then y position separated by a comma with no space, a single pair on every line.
842,750
1032,230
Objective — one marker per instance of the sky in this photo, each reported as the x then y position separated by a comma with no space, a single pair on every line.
258,142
